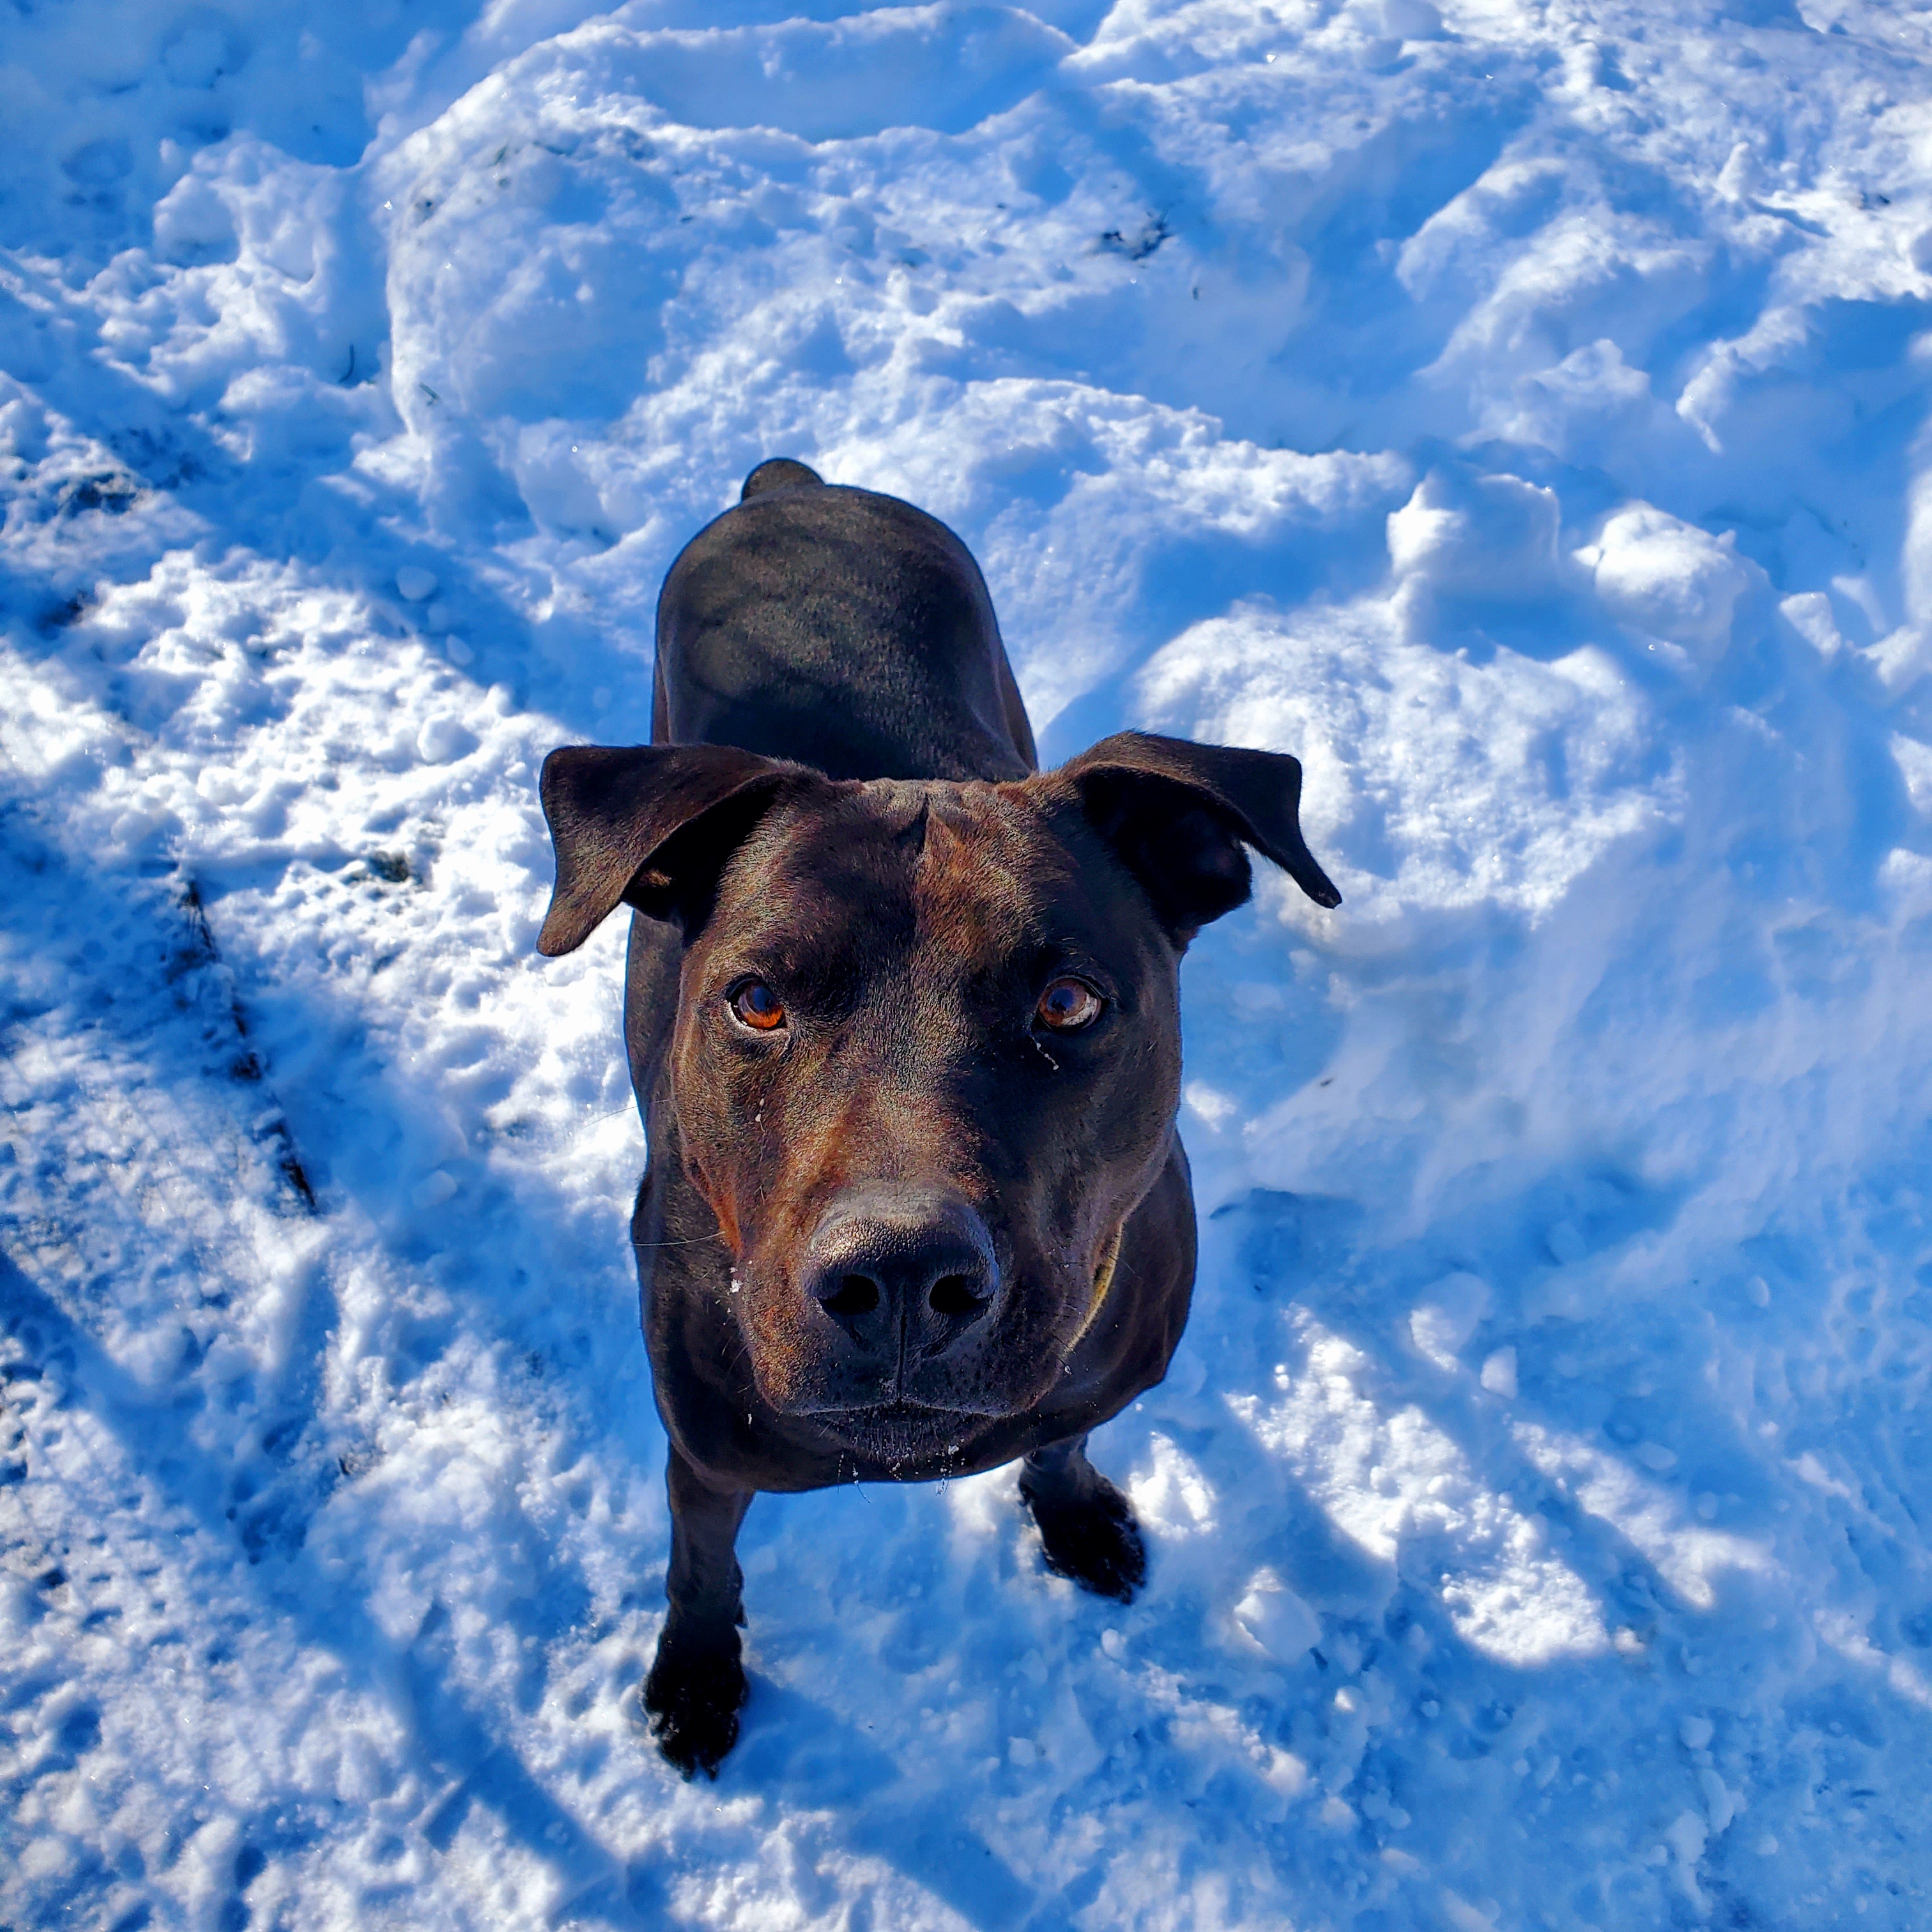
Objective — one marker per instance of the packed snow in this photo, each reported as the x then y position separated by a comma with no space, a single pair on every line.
1516,409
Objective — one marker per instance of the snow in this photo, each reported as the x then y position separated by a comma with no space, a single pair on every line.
1517,411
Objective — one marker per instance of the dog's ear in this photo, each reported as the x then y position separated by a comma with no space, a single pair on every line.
1178,815
645,825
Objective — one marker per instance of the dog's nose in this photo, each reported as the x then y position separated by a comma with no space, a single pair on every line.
903,1268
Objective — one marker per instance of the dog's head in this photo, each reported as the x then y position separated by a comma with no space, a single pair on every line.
926,1057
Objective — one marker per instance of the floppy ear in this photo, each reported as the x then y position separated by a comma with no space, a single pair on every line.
643,825
1178,815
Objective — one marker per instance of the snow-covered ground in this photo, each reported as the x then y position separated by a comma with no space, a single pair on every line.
1514,407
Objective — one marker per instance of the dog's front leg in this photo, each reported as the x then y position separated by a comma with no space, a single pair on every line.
697,1683
1086,1527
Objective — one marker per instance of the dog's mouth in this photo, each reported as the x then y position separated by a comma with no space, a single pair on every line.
896,1432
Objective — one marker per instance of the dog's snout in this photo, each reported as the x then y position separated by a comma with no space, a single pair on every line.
903,1269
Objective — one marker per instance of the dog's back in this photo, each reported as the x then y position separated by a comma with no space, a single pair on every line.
838,628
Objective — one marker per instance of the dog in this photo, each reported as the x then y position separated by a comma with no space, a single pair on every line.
901,1013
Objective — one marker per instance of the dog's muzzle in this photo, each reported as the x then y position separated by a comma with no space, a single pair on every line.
905,1276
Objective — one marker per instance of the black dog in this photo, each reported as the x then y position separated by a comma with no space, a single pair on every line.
902,1016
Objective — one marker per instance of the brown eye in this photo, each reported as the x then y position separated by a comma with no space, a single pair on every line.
758,1006
1068,1005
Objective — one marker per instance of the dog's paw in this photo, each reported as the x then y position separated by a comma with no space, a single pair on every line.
693,1697
1092,1539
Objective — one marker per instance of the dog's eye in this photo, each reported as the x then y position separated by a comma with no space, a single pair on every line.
1068,1005
757,1007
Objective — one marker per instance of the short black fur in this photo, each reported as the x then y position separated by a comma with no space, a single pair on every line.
840,803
